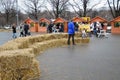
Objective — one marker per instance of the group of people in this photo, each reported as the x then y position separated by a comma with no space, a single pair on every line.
24,30
96,27
54,28
72,28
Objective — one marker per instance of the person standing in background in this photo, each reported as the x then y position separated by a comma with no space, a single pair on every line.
26,28
14,31
21,31
71,32
50,27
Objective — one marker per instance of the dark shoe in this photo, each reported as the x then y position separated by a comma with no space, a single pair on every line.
74,44
68,44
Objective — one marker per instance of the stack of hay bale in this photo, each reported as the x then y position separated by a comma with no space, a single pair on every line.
18,65
17,57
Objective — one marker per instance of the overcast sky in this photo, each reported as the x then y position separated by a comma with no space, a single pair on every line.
102,4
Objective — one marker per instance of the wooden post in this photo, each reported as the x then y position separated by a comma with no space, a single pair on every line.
65,27
36,26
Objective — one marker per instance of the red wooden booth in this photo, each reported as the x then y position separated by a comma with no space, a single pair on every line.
77,19
101,20
115,23
33,26
61,20
43,23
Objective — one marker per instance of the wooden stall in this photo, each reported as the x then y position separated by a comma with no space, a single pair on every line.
33,26
43,24
101,20
79,23
77,19
63,21
115,23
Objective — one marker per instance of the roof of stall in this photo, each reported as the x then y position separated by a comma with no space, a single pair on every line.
116,19
60,20
28,20
77,19
44,20
98,19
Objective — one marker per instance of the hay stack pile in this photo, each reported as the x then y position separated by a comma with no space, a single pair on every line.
39,47
25,42
18,65
17,57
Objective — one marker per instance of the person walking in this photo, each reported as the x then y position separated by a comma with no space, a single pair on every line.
21,31
71,32
50,27
26,28
14,31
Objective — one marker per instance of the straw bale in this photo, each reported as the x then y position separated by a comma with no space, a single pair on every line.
60,35
0,76
9,46
77,34
10,60
42,46
24,42
38,47
37,38
55,36
49,36
85,40
19,43
30,73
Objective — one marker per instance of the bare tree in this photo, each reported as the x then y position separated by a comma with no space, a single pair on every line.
114,6
8,7
58,6
34,7
82,7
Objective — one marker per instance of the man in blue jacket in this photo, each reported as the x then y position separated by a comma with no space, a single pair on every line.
71,32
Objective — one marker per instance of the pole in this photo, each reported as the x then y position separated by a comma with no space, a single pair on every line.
17,17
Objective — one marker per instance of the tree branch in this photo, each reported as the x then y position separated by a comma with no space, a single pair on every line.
111,8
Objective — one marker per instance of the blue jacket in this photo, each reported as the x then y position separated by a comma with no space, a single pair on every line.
71,28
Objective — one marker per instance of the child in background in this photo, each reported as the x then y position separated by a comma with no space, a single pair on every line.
21,31
84,34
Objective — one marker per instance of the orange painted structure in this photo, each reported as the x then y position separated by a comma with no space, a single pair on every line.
43,23
61,20
115,23
33,27
77,19
101,20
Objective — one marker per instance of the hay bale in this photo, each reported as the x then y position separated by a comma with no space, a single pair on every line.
37,38
38,47
19,43
18,65
10,46
23,42
42,46
11,60
85,40
30,73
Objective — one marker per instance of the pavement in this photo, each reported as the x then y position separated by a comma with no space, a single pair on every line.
97,60
7,35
